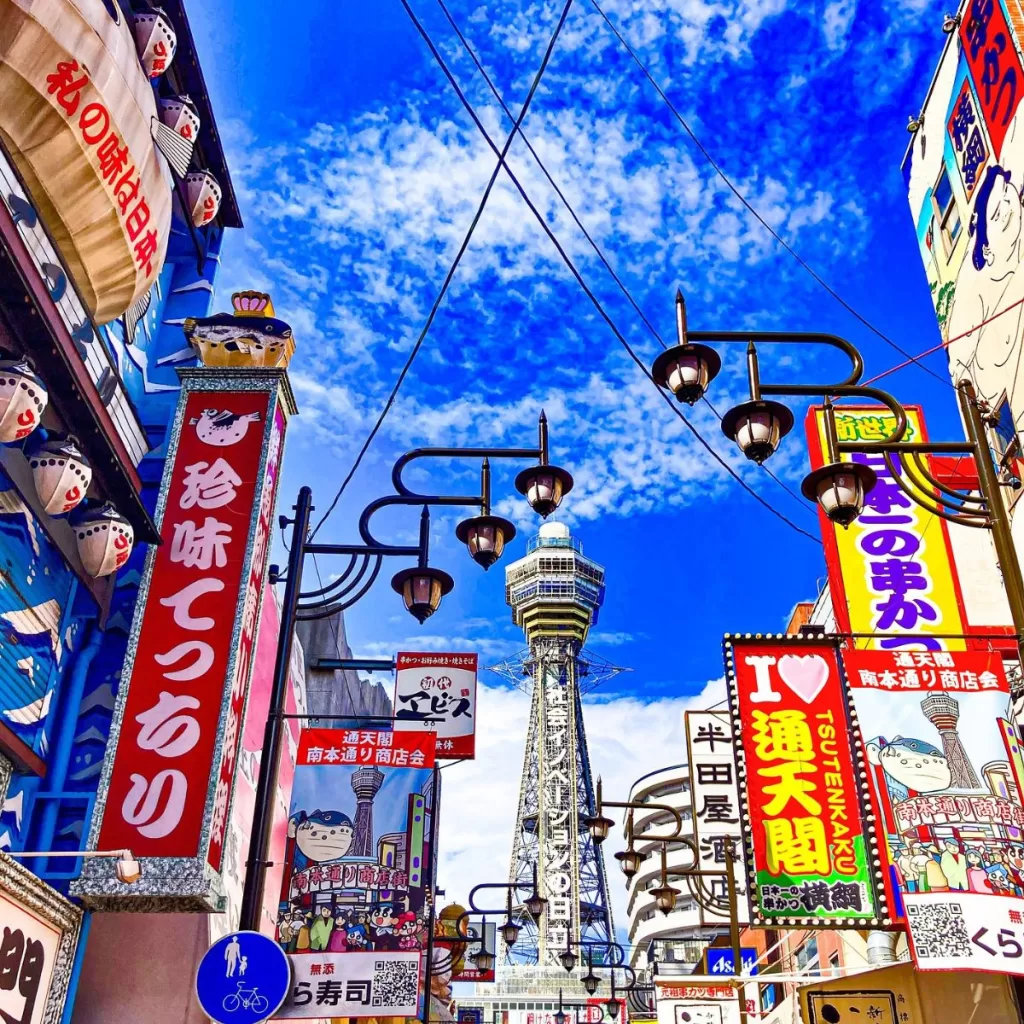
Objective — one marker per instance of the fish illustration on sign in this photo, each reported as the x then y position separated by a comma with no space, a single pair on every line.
223,428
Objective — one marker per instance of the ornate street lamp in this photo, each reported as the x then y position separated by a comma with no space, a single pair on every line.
568,959
485,535
509,930
591,981
422,589
484,958
685,369
560,1013
544,485
665,894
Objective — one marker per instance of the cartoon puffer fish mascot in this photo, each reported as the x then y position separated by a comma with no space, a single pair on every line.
912,767
249,336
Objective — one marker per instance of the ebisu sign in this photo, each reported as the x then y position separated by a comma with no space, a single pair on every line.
892,570
166,787
811,850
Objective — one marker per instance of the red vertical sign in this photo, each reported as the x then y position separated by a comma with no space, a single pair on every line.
168,740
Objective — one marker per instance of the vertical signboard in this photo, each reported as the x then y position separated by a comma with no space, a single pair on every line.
711,755
811,849
353,906
892,570
166,791
940,743
437,693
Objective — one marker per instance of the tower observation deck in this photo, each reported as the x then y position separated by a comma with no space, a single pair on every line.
556,594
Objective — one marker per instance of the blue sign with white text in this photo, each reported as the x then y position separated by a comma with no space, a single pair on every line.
720,960
243,979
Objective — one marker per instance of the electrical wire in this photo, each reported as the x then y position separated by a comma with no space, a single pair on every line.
572,213
583,285
736,192
454,266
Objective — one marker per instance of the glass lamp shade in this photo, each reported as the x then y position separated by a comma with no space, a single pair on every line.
422,589
757,427
23,399
544,487
686,370
484,960
568,959
599,827
591,982
535,905
630,861
509,933
485,537
613,1006
665,898
840,488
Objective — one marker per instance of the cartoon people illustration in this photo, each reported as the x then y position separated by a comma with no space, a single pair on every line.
382,927
408,931
977,876
319,837
953,863
321,930
338,942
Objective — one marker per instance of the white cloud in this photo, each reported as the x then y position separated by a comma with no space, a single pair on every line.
627,737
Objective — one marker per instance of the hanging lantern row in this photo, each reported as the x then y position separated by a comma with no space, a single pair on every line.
61,473
155,40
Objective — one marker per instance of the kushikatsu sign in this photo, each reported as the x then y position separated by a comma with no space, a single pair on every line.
811,852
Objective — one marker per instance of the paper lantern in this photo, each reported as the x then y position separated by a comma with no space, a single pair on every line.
155,40
61,473
179,114
23,398
204,196
104,537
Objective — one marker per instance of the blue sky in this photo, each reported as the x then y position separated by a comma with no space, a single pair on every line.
358,172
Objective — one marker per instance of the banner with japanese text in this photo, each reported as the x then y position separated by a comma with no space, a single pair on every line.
354,898
892,569
711,755
437,693
810,848
943,755
189,669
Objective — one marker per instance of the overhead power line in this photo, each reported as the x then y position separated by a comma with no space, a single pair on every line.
739,195
454,266
583,285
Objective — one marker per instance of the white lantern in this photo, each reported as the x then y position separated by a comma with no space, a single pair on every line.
204,195
180,115
104,538
155,40
61,473
23,398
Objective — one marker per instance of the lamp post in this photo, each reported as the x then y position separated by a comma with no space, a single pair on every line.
422,587
590,981
839,487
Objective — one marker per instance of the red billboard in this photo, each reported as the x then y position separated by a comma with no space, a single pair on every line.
186,659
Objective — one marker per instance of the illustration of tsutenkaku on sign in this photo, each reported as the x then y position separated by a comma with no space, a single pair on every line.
941,746
166,786
711,755
892,570
437,693
353,911
811,848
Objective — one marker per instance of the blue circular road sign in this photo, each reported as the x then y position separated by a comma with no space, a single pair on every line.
243,979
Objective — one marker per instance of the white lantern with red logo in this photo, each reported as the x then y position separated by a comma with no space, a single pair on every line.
179,113
204,195
104,537
23,398
61,473
155,40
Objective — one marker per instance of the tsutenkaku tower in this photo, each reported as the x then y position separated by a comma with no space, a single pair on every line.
555,594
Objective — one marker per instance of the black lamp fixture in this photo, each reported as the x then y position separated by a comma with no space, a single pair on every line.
686,370
483,958
757,426
485,535
422,589
613,1006
838,487
630,858
568,959
544,485
590,980
560,1013
509,930
598,825
535,903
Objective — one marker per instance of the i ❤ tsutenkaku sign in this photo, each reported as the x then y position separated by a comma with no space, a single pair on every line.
811,850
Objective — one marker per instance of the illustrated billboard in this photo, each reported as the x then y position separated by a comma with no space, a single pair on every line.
963,171
811,854
353,904
437,693
711,755
892,569
939,737
167,783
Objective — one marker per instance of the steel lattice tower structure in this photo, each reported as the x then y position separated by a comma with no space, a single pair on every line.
555,594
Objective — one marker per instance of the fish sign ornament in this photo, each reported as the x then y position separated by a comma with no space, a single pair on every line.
812,856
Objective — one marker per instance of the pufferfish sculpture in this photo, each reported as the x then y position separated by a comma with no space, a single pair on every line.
249,336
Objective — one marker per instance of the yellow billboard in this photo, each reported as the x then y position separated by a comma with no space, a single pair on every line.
891,573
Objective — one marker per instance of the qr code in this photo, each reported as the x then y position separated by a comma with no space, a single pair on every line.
395,983
938,930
